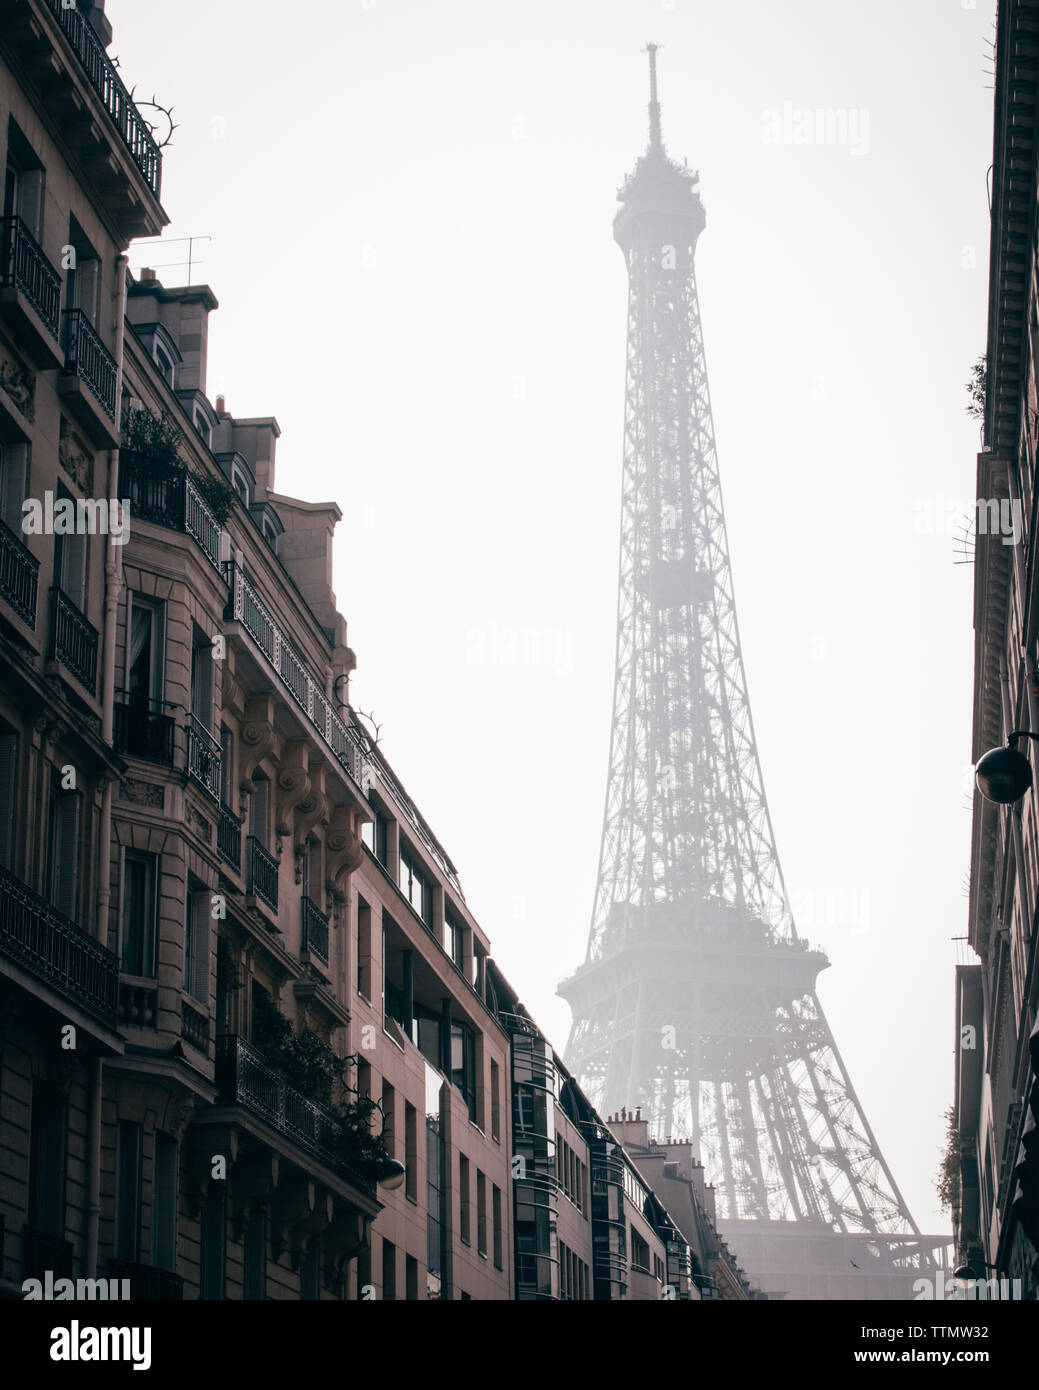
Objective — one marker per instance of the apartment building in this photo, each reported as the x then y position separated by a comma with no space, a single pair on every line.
995,1161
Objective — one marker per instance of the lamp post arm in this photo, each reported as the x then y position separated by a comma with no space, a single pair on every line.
1020,733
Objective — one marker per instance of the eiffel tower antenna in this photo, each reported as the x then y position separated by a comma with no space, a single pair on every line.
697,998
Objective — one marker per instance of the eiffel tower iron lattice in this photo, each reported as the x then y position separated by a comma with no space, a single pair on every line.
697,998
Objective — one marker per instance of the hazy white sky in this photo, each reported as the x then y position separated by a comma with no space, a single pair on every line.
410,205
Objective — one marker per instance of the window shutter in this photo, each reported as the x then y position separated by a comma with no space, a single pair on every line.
8,765
13,476
198,962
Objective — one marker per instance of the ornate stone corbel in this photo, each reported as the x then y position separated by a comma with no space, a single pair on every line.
293,784
294,1200
257,742
313,808
252,1185
345,852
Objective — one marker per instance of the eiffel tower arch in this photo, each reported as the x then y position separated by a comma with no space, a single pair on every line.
697,998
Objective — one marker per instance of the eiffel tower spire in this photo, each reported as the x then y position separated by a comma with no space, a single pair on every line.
697,996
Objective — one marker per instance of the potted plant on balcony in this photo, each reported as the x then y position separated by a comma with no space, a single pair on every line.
151,455
318,1072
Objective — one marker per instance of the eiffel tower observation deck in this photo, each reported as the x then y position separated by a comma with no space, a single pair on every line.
697,998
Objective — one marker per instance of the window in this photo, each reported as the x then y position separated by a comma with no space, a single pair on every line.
196,945
496,1224
411,1152
364,949
14,485
464,1200
70,561
8,788
140,876
240,483
364,1273
164,1202
374,834
389,1270
481,1213
47,1158
495,1102
410,1278
270,535
63,820
254,1252
214,1232
128,1192
434,1219
639,1252
83,275
455,943
415,887
144,649
463,1064
163,361
23,182
202,426
202,678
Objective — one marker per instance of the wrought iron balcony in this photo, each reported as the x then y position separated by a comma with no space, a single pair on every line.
168,497
148,1284
246,1078
74,641
45,1252
102,76
203,758
19,576
315,931
55,950
263,874
24,267
87,358
229,838
142,730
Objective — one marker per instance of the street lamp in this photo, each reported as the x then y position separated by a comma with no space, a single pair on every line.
392,1175
1003,775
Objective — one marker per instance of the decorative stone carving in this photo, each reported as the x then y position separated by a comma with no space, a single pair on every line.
345,852
142,793
198,823
20,385
75,458
257,743
293,784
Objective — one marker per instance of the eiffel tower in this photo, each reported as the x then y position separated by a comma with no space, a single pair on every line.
697,999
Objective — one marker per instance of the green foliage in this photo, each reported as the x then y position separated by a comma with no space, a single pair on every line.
319,1073
976,389
217,493
948,1183
155,437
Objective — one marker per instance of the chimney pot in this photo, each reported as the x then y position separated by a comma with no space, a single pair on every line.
221,405
147,273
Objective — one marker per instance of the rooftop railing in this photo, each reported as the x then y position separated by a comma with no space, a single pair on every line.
106,82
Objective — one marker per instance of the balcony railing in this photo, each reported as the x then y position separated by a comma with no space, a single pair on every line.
87,357
195,1027
142,730
203,758
19,576
263,874
102,76
23,266
51,946
168,497
147,1284
229,838
246,1078
74,641
315,931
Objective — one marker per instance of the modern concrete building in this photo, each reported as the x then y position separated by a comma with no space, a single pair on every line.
996,1208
